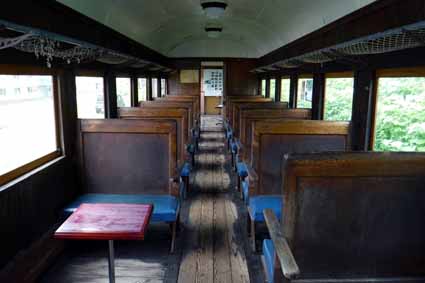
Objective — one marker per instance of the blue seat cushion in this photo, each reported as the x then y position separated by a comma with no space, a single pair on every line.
185,171
229,134
165,207
245,191
269,258
242,169
234,147
257,204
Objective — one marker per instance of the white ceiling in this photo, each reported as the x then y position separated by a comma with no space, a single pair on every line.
251,28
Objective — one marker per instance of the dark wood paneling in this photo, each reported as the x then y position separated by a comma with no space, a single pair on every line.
178,88
239,81
318,96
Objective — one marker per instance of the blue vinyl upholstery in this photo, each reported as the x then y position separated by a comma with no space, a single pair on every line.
245,191
165,207
185,171
269,258
242,169
257,204
190,148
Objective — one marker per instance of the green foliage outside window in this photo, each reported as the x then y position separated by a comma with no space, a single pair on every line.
338,99
400,116
305,93
263,88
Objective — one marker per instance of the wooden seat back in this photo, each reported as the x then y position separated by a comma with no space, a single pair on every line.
187,106
356,216
195,100
177,115
229,100
248,118
128,156
272,140
239,108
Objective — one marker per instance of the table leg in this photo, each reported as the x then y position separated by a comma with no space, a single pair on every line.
111,260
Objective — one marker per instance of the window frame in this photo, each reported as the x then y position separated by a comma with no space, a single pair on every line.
303,76
414,72
124,76
146,89
289,90
59,152
338,75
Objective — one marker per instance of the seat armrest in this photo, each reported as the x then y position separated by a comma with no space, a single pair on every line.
287,261
176,187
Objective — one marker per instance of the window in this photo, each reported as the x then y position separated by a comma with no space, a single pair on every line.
28,136
123,92
163,87
154,87
90,97
141,87
400,114
263,88
285,90
273,89
339,99
305,92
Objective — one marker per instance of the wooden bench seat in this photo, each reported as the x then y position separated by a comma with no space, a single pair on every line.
240,108
271,141
349,217
116,165
229,100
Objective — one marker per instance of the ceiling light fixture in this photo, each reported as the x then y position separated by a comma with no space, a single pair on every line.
214,9
213,31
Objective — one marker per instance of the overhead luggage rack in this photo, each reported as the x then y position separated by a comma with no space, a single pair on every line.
406,37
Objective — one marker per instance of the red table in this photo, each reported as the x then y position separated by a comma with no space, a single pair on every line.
107,221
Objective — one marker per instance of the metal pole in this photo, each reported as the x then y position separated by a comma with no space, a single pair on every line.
111,262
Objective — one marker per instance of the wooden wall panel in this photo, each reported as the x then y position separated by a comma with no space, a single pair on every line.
177,88
239,81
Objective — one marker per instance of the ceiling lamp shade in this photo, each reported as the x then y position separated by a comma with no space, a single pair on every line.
214,9
213,32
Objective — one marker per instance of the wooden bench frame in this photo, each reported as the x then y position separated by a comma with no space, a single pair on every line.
359,164
240,108
169,128
229,100
285,127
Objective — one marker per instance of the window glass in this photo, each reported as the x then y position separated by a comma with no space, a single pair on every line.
90,97
123,92
284,90
141,87
27,120
154,87
273,89
400,114
339,99
263,88
305,93
163,87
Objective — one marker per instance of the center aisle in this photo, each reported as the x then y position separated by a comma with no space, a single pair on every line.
213,241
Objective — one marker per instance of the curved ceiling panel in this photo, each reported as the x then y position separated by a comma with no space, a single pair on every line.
251,28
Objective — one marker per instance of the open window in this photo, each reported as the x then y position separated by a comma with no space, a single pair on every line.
142,89
163,87
305,92
123,92
29,128
154,82
273,89
263,87
90,97
339,91
285,85
400,111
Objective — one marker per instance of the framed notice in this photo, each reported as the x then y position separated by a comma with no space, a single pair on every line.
189,76
213,82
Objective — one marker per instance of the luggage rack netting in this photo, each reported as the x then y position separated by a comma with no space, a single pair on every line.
393,40
49,46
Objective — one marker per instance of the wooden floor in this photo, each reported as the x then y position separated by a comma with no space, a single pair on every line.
212,245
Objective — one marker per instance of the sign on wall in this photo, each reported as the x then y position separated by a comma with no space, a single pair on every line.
189,76
213,82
